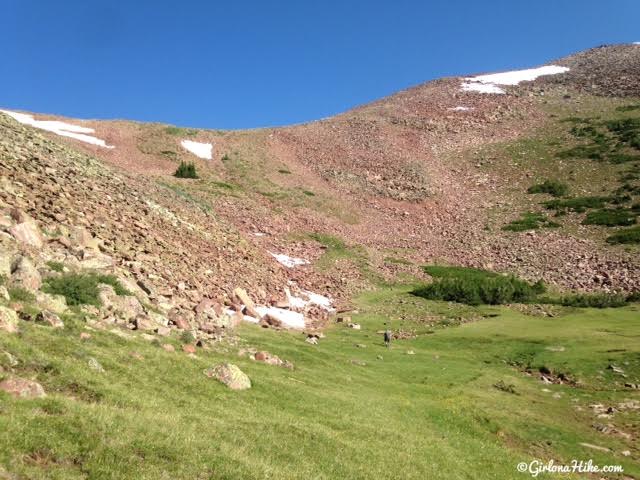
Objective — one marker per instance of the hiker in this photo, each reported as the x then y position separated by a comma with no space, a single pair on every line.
387,336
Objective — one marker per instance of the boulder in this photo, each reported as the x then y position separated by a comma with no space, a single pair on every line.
4,293
163,331
82,238
189,348
27,233
95,260
95,365
22,388
55,303
230,375
179,320
128,307
8,320
244,298
6,261
47,317
24,274
143,322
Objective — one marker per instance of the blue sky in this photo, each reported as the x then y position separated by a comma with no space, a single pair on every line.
242,64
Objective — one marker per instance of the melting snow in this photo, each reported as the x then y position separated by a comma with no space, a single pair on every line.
202,150
311,299
489,83
59,128
287,261
460,109
288,317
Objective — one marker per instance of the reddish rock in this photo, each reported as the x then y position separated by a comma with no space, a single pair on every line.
22,388
27,233
189,348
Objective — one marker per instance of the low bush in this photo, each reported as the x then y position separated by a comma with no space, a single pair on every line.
627,235
530,221
578,204
476,287
593,300
186,170
19,294
55,266
610,217
82,289
552,187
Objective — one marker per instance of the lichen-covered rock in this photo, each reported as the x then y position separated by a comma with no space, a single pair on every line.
49,318
230,375
24,274
27,233
54,303
22,388
8,320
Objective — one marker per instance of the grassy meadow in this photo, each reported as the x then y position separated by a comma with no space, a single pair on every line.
453,400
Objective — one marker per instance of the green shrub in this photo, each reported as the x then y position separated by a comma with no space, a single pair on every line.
610,218
477,287
578,204
634,297
186,170
592,300
552,187
19,294
187,337
530,221
82,289
180,131
627,235
55,266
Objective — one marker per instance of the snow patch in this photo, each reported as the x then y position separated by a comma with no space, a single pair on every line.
460,109
489,83
288,318
59,128
201,150
287,261
636,43
309,298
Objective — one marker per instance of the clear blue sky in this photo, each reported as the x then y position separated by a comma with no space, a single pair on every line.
241,64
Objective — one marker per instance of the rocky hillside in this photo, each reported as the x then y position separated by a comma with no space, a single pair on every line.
434,174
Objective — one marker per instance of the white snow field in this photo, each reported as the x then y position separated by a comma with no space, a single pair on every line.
490,83
201,150
59,128
287,261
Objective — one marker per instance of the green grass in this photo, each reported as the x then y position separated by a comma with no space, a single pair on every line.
610,218
186,170
19,294
552,187
55,266
530,221
182,132
82,288
446,412
627,235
